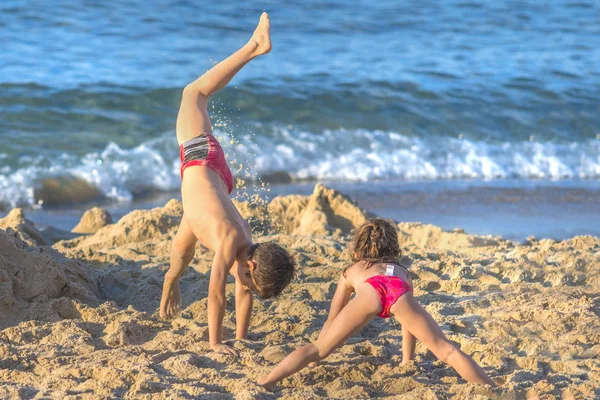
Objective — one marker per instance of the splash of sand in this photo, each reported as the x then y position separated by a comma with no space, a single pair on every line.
79,319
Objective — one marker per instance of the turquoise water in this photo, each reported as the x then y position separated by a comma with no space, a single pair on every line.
354,93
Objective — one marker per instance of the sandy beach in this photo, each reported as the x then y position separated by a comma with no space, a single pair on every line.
473,126
78,312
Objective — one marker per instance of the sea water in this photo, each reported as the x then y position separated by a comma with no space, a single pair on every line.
445,100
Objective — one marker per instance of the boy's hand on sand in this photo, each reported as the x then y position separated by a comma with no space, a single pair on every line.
224,349
314,364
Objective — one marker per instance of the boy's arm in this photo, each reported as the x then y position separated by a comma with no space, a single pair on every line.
222,263
339,301
243,307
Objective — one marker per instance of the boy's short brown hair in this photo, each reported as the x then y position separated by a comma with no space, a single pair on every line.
274,271
376,241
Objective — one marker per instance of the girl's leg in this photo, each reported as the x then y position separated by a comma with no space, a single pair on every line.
418,321
193,118
408,345
357,313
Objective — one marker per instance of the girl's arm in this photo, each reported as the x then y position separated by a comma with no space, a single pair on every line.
409,342
339,301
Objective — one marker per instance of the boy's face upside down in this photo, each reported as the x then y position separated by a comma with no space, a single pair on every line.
268,270
244,273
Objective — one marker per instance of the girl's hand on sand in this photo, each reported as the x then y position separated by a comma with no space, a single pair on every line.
262,382
224,349
314,364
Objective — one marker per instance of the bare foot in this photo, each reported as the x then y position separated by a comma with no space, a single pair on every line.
171,298
262,35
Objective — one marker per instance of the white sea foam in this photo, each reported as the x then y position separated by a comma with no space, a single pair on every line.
339,155
361,155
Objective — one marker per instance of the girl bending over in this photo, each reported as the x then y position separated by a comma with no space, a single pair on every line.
382,288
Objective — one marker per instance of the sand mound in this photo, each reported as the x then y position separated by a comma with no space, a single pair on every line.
325,212
136,227
29,233
429,236
580,243
92,220
30,277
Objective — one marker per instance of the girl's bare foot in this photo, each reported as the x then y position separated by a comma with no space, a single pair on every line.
262,36
171,298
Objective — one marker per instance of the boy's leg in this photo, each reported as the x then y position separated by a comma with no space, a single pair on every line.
182,253
414,317
193,118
